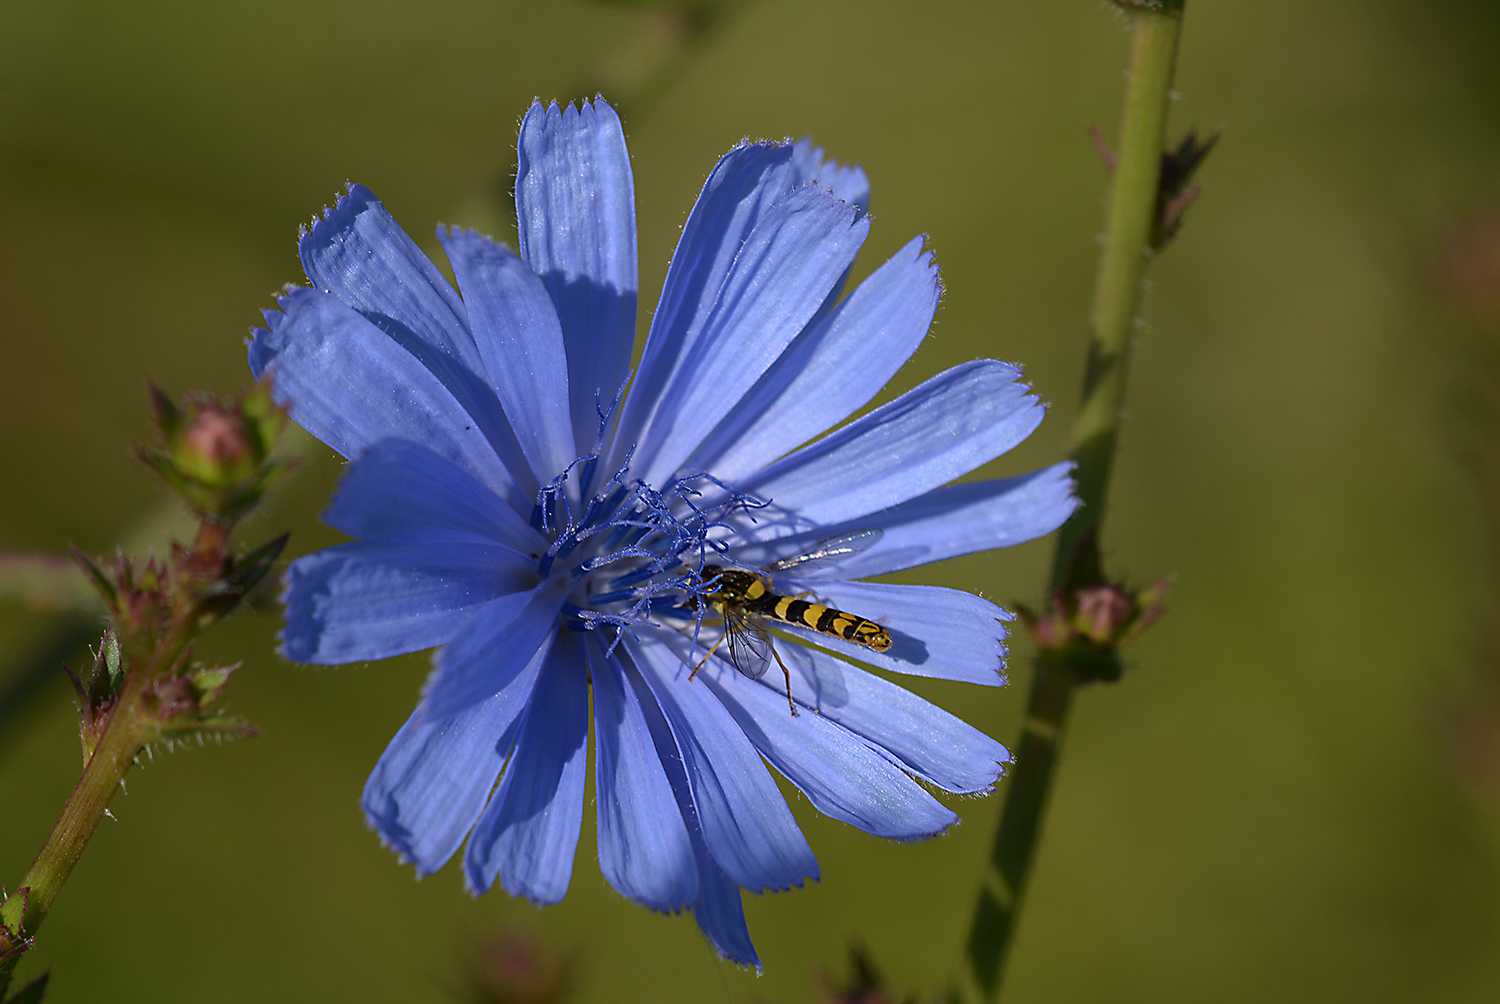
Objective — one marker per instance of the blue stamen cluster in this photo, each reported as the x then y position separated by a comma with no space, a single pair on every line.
649,532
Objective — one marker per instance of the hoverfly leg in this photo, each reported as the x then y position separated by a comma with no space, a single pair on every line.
710,654
788,674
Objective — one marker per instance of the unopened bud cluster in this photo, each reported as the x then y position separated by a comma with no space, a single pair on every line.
217,457
217,454
1084,630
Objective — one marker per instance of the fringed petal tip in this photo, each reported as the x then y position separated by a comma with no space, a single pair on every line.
924,255
927,256
746,143
552,110
347,204
800,883
260,347
752,963
471,881
456,232
997,772
847,182
396,845
813,188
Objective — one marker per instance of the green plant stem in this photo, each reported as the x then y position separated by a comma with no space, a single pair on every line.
1132,216
1154,30
81,814
123,739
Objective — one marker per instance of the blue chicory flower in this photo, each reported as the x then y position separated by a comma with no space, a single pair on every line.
551,534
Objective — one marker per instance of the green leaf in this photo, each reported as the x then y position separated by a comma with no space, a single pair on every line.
102,583
109,647
218,727
168,416
253,567
32,993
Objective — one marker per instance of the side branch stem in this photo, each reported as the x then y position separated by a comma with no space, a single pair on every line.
1133,207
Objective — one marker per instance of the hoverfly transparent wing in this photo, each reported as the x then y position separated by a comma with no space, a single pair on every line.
829,552
749,643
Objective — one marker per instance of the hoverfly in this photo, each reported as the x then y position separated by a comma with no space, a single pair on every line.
749,604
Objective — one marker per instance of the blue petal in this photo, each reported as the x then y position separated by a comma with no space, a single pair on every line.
743,186
575,206
864,341
351,386
521,343
746,823
779,280
932,744
840,774
374,600
644,848
848,183
528,834
943,523
718,910
948,426
946,633
721,914
493,647
432,781
400,491
360,254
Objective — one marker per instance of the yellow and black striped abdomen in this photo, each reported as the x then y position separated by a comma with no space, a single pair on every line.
824,620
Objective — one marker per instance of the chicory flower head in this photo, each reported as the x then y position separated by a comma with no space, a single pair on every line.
551,533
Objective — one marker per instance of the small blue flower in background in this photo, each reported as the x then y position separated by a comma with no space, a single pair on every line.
511,504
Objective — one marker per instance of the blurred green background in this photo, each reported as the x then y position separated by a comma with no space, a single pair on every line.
1295,793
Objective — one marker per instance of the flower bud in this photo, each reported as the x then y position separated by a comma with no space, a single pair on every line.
217,455
1084,631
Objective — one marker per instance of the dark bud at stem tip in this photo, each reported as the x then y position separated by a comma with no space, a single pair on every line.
511,968
864,986
1083,631
1173,193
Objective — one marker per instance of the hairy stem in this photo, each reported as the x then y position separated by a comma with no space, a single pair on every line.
81,814
1154,30
124,737
27,907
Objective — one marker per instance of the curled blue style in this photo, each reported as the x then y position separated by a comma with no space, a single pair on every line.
514,507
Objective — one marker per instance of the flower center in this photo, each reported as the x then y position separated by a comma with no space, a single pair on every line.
635,551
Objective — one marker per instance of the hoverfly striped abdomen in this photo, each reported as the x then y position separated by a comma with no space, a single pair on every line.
824,620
